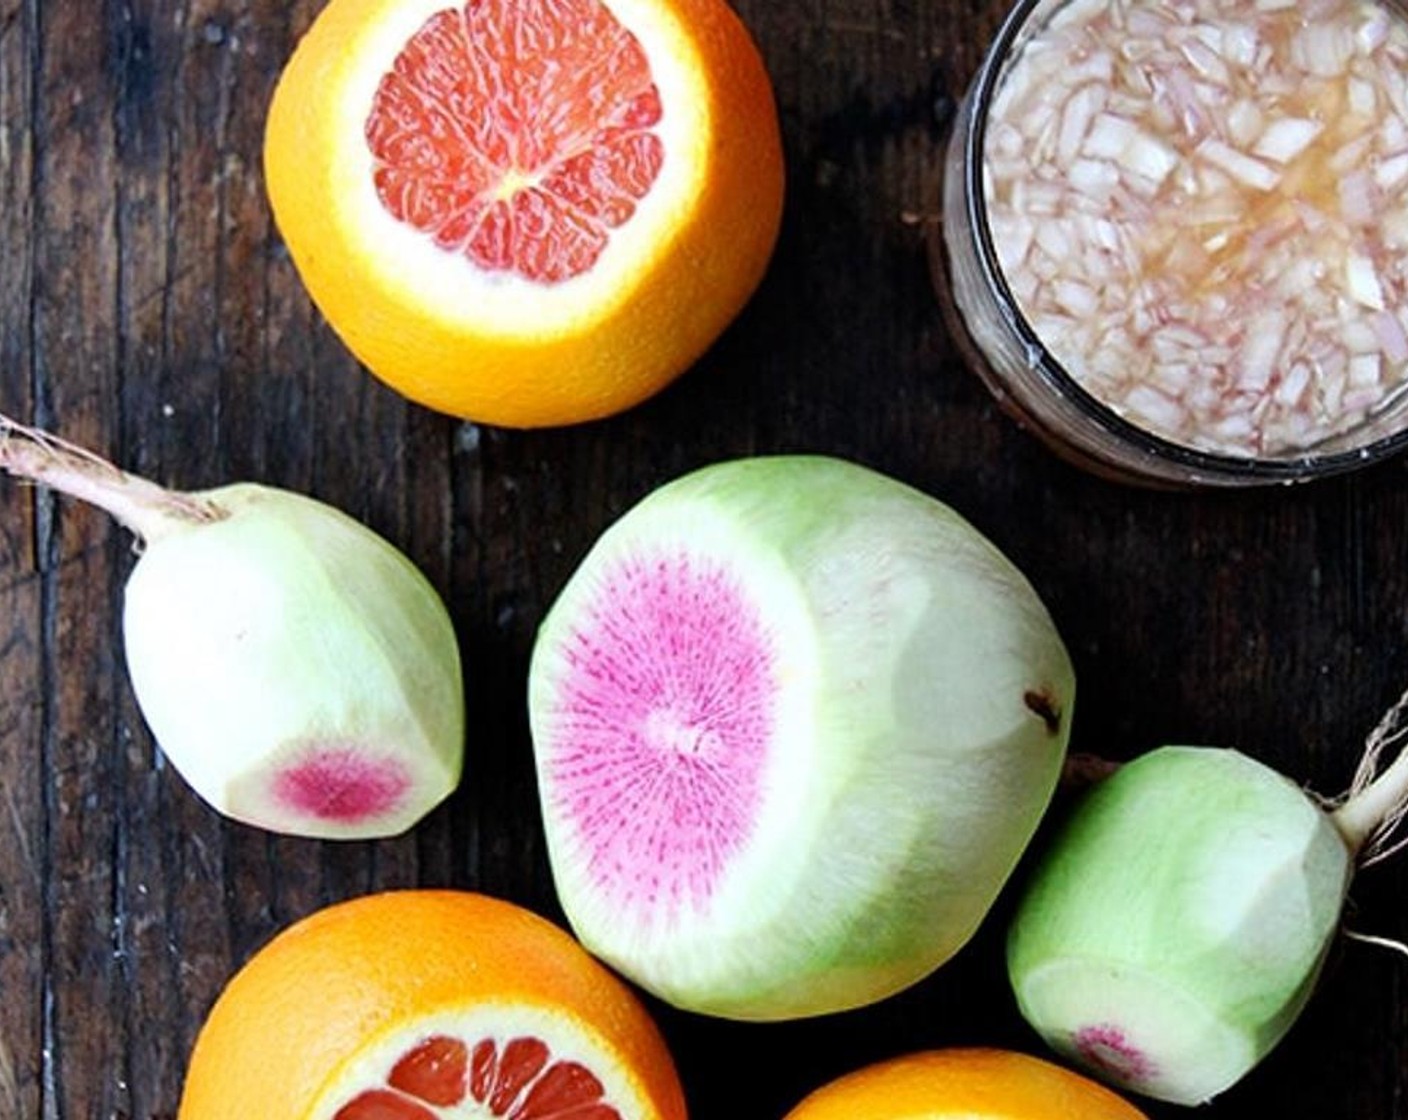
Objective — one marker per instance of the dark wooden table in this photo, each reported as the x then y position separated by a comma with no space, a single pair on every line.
148,310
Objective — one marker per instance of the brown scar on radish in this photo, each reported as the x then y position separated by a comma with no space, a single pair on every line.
1045,705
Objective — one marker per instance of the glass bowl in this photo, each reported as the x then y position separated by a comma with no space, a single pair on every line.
1018,365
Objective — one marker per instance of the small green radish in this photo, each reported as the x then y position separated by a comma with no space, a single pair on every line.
297,670
795,723
1176,925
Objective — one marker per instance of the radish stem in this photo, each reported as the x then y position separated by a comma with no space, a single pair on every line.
145,508
1377,802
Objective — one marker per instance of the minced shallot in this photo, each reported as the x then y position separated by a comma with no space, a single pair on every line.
1201,207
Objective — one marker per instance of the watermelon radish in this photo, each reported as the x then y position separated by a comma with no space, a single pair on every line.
297,670
794,724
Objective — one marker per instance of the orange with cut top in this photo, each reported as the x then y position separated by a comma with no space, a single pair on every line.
526,212
428,1005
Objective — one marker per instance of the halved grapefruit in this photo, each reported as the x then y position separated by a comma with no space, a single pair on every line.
526,212
428,1005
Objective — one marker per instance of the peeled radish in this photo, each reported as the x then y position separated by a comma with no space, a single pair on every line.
297,670
1175,927
794,724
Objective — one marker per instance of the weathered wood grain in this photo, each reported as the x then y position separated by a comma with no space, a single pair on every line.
22,780
148,309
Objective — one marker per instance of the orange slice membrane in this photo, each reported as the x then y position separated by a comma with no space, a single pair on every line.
518,133
443,1078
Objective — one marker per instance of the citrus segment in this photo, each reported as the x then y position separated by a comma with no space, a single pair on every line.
428,1005
435,1071
526,213
964,1084
513,132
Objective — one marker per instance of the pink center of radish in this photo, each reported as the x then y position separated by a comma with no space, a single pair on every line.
661,729
336,782
1106,1049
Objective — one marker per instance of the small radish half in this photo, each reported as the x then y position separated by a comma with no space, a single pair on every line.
794,724
298,671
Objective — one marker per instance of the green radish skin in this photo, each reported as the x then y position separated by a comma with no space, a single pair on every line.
1174,928
298,671
830,835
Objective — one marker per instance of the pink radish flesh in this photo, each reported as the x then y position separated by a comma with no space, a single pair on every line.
341,783
1105,1048
661,729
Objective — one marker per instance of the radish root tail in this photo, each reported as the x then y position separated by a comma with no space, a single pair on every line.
1378,942
145,508
1370,815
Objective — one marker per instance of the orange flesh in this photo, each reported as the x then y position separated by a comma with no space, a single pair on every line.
517,132
434,1071
441,1078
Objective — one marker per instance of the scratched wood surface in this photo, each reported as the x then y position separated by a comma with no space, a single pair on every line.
148,310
